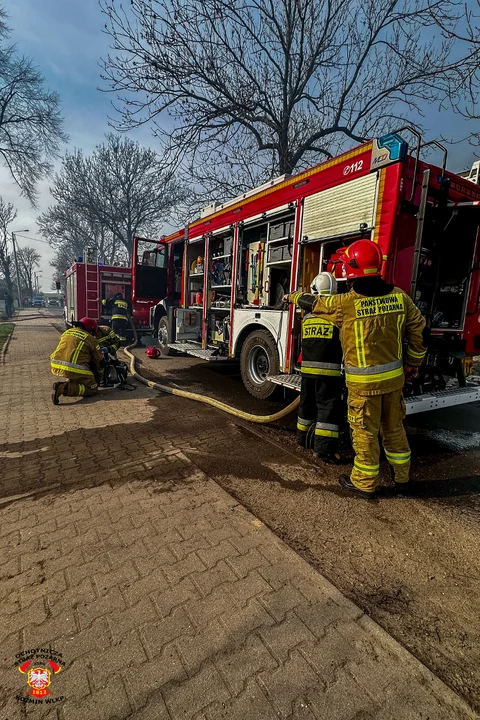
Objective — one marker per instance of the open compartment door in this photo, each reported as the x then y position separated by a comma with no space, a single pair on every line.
149,269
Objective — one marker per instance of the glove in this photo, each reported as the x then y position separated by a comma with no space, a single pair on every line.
411,373
104,350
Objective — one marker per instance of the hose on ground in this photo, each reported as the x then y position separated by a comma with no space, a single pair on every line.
261,419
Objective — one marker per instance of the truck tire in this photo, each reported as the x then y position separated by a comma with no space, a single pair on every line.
259,358
163,335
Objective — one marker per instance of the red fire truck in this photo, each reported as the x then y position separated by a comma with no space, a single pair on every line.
88,282
226,272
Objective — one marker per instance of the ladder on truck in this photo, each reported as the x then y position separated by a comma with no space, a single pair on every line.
92,285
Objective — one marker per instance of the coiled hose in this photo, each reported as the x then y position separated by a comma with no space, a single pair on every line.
261,419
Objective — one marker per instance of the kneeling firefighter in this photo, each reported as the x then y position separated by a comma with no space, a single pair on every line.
374,319
321,376
79,360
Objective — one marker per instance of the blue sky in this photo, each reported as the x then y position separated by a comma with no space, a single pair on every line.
65,39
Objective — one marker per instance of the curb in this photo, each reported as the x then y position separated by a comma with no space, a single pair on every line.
4,349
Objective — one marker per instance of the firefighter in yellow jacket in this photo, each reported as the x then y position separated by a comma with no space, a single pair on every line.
374,319
78,359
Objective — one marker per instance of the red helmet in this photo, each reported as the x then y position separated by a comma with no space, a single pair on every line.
363,258
89,325
152,352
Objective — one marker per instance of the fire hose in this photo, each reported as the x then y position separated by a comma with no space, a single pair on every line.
262,419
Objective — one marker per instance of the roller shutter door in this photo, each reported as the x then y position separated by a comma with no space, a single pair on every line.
340,210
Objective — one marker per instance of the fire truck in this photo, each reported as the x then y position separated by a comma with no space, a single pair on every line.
225,273
88,283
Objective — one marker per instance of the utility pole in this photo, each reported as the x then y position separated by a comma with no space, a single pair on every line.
16,269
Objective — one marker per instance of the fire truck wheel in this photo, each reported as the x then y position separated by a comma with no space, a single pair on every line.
163,333
259,358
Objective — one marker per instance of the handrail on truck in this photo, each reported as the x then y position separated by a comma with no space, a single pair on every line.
417,156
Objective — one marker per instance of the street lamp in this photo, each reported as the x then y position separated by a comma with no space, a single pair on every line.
16,264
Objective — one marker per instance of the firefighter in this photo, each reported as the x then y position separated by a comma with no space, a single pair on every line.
106,338
78,359
374,319
321,378
119,308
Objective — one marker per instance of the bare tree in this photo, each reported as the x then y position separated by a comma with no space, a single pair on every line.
8,214
31,126
28,261
121,189
293,80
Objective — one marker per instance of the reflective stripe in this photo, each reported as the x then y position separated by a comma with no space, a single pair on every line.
119,317
378,377
359,343
328,301
327,366
326,433
305,421
302,427
327,426
78,350
374,369
294,297
398,458
417,355
81,389
64,365
121,304
400,319
367,470
319,371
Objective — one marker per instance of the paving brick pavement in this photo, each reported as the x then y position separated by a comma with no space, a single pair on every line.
167,599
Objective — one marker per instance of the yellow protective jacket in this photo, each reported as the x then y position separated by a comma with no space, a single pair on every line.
75,353
372,333
107,338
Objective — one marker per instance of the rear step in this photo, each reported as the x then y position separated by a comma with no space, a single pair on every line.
419,403
196,350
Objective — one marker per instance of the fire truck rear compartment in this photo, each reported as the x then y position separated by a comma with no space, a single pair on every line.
446,259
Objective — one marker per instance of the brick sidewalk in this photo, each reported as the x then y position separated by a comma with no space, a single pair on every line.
167,599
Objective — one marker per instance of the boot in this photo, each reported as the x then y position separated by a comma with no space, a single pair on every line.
301,438
331,458
346,483
59,388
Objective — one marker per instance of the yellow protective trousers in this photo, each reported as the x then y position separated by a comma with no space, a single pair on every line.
368,416
80,385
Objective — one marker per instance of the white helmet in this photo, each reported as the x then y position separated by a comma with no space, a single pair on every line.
324,284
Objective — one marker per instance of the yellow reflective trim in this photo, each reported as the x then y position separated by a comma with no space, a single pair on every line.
81,389
400,320
376,377
119,317
320,371
326,433
302,427
359,344
418,355
68,369
367,470
77,352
